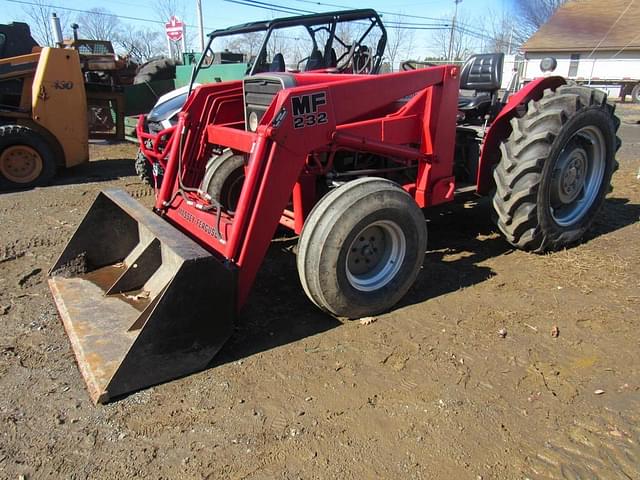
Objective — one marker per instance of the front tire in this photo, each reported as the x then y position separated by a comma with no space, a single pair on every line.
26,158
556,168
144,170
361,248
223,179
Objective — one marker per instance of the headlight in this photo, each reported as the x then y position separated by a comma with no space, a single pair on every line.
548,64
253,121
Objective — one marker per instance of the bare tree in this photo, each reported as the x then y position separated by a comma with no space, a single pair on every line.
38,15
532,14
503,33
400,42
141,45
462,42
165,9
99,24
247,43
345,31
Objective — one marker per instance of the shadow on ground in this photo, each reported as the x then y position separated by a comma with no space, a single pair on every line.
461,237
91,172
616,213
278,311
98,171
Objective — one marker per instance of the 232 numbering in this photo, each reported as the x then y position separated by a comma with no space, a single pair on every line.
310,120
305,110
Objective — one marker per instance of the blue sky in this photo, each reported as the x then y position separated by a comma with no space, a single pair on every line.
221,13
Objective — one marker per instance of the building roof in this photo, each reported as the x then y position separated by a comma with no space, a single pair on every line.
582,25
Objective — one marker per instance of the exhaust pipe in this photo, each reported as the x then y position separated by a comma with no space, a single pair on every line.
141,302
56,30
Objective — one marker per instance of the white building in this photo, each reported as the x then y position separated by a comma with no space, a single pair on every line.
595,42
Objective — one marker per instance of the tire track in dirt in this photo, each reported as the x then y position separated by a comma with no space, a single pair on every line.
18,248
606,446
140,192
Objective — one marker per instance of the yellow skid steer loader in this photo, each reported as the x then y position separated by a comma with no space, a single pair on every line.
43,116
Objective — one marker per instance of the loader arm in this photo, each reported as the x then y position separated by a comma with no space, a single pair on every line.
278,152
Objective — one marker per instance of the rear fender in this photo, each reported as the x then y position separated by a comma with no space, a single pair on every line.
500,129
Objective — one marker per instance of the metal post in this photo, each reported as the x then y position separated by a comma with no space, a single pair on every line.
184,37
453,27
200,23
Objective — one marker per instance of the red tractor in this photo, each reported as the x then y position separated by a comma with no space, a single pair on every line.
347,162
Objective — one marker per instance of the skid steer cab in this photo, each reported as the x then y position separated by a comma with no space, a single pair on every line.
347,162
351,41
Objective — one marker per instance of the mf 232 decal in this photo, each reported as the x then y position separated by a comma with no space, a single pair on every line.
305,110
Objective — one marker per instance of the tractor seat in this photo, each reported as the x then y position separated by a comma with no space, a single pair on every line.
483,74
315,61
277,64
476,101
330,58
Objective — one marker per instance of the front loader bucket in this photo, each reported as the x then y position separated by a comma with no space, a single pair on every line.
141,302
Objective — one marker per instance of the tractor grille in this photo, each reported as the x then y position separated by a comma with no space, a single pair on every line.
259,93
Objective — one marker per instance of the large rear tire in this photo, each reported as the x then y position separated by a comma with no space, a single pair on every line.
223,179
161,68
556,168
26,158
361,248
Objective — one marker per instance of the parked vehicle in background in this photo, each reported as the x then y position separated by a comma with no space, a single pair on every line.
619,77
43,110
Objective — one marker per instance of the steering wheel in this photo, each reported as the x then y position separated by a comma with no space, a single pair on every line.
362,52
303,60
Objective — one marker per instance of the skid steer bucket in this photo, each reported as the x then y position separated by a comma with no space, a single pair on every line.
141,302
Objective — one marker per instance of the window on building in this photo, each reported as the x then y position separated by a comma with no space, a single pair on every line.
573,65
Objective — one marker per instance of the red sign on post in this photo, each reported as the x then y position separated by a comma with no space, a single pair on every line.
174,29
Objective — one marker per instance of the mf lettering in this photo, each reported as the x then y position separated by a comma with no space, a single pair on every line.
305,110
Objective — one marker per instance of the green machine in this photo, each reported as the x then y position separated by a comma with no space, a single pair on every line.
225,66
142,97
221,67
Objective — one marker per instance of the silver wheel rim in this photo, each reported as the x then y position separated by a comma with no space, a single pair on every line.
577,176
375,255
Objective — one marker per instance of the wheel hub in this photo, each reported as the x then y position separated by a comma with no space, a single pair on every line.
20,164
375,256
572,176
577,176
367,250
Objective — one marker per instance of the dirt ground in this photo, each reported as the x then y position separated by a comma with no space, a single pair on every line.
430,390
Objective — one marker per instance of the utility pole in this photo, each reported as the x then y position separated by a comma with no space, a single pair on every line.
453,27
200,23
184,38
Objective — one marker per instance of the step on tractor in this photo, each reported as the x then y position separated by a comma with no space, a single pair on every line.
346,42
347,162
